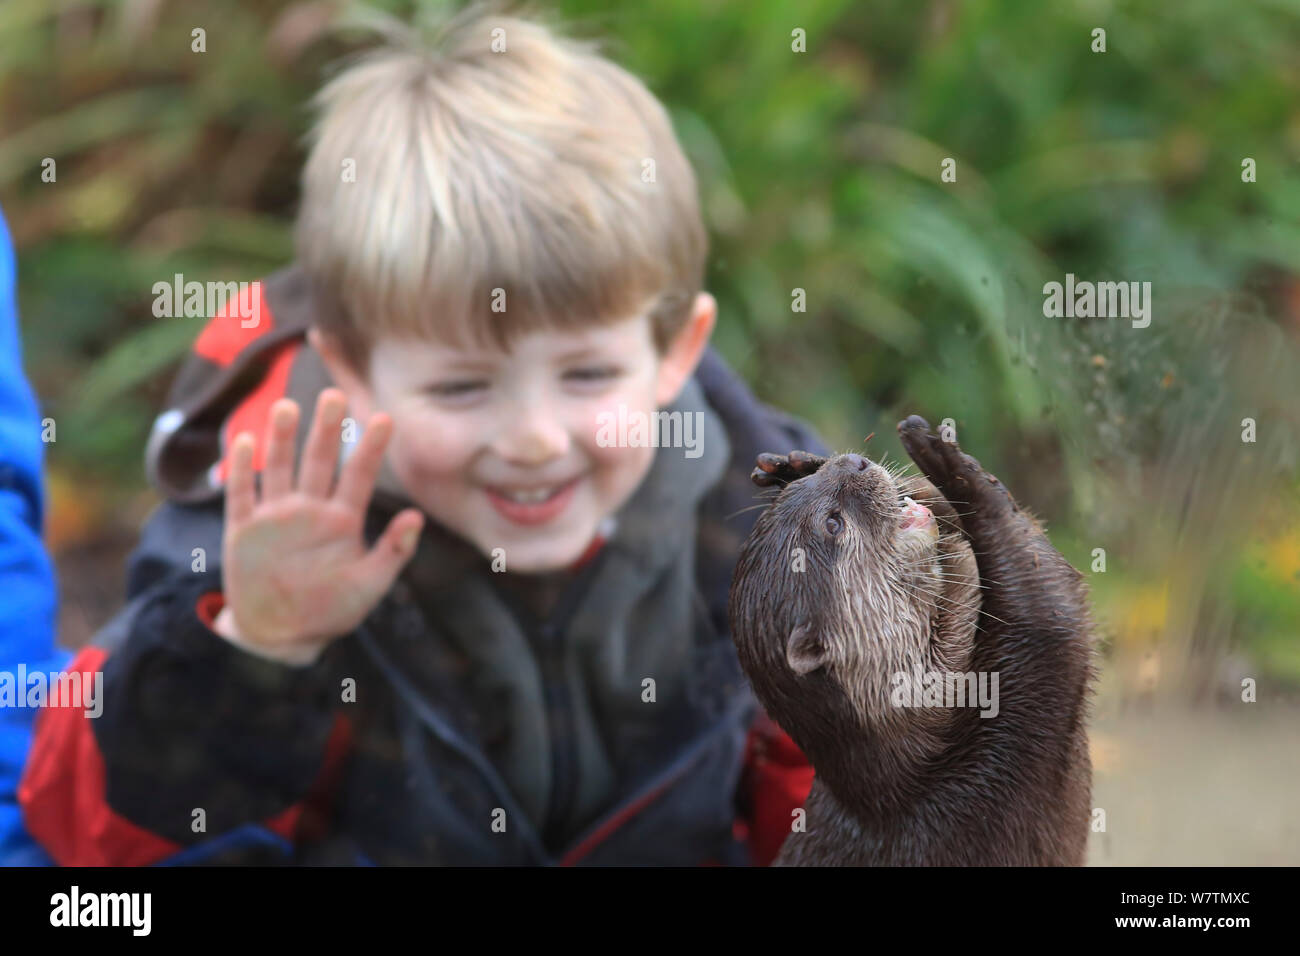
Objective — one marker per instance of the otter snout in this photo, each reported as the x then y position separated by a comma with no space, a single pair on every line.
867,475
854,463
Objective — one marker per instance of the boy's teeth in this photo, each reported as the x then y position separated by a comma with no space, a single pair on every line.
532,496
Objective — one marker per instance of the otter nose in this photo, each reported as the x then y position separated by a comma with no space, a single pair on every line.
856,462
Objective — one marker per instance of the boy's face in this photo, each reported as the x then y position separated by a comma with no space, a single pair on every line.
501,447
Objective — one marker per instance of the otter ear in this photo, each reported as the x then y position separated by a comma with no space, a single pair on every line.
804,650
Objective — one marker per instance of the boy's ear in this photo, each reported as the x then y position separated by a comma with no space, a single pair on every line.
685,350
341,371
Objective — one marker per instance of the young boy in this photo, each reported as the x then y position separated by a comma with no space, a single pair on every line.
457,618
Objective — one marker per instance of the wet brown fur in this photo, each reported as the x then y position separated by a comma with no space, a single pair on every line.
905,785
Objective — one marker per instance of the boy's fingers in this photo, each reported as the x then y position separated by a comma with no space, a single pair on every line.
394,548
357,481
241,495
319,455
277,473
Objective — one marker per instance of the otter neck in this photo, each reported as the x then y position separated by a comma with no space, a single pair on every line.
893,757
894,747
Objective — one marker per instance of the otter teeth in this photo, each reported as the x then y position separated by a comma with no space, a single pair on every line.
917,515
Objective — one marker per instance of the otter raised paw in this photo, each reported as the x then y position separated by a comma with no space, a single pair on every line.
929,651
771,469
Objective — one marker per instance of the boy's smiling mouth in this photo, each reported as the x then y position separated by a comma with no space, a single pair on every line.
531,504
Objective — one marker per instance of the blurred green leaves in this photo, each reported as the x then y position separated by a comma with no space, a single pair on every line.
817,170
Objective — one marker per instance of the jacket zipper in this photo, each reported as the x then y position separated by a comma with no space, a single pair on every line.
560,724
600,831
548,636
477,759
606,826
564,770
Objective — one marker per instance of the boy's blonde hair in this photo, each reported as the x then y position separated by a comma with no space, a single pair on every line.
544,171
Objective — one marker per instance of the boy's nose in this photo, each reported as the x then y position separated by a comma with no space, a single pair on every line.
532,437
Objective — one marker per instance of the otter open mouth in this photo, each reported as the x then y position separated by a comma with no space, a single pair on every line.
917,515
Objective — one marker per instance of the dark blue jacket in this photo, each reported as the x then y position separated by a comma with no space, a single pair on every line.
205,752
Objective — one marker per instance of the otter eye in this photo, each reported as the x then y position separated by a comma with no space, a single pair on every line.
833,523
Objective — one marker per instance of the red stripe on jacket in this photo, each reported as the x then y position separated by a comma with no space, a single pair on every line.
253,413
777,778
223,338
62,791
225,335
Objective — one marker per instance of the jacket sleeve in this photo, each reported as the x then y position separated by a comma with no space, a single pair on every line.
26,572
189,736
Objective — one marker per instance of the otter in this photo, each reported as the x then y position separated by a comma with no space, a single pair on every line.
861,583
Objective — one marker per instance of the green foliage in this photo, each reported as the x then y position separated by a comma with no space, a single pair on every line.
817,170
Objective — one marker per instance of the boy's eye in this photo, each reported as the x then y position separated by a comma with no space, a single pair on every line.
592,373
455,389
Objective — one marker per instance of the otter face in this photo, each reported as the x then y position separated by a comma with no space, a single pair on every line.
852,576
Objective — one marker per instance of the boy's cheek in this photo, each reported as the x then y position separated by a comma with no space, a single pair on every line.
622,460
612,419
424,452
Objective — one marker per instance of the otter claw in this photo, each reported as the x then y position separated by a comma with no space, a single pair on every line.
775,469
936,458
806,463
953,471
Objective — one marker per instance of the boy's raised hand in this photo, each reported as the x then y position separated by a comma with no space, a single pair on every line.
296,571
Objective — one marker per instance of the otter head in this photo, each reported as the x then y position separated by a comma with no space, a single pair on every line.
853,575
